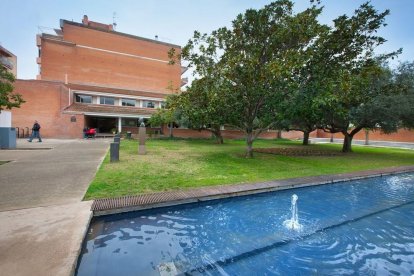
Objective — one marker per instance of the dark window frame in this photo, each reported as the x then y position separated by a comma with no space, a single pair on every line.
80,98
125,100
149,104
130,122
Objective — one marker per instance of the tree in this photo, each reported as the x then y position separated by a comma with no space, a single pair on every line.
254,62
8,99
357,79
299,113
404,82
165,116
367,101
204,107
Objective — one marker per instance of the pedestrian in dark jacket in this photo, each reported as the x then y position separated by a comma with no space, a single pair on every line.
35,132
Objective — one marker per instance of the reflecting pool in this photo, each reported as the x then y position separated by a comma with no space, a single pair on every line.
358,227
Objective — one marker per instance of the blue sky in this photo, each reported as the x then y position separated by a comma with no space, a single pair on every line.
173,21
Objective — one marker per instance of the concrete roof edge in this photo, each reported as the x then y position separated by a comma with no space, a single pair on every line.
120,89
64,42
44,81
63,21
5,51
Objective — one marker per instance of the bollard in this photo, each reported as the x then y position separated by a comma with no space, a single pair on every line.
117,139
114,152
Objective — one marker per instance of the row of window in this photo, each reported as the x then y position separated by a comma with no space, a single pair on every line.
133,122
111,101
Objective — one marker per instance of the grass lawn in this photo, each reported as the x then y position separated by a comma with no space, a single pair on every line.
182,164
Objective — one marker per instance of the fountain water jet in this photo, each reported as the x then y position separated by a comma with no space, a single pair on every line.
293,223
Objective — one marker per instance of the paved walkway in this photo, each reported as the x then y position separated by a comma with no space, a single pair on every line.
389,144
48,173
42,217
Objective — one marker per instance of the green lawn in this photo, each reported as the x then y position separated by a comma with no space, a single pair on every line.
182,164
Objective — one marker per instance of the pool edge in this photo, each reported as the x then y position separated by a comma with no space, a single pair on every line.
109,206
75,263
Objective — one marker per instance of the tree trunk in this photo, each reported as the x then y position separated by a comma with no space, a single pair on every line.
249,148
217,134
171,130
366,137
279,134
347,145
162,129
306,138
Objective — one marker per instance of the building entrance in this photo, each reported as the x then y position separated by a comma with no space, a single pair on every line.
102,124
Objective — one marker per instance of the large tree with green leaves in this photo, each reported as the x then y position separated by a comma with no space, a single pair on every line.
404,82
356,79
204,107
8,99
166,116
299,113
255,61
366,100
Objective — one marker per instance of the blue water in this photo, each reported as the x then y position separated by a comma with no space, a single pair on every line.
363,227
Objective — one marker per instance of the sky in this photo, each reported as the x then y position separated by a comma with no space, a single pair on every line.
174,21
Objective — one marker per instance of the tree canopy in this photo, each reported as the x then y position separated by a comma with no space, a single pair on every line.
165,116
8,99
278,69
253,61
204,107
404,83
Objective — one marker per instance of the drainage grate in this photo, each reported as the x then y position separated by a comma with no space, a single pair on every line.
107,204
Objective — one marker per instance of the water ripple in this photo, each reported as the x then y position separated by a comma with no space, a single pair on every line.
362,227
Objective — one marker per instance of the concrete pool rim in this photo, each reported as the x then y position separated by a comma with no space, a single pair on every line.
110,206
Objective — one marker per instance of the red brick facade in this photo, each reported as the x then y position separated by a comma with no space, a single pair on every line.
403,135
91,60
45,102
95,56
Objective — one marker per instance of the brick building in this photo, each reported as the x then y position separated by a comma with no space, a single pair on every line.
8,60
93,76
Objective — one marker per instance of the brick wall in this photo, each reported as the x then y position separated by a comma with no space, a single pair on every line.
115,42
103,68
44,103
402,135
227,134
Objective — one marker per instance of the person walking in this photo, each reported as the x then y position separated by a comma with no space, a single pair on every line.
35,132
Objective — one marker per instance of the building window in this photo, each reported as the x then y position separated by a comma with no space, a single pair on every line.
163,104
83,99
128,102
106,100
129,122
149,104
